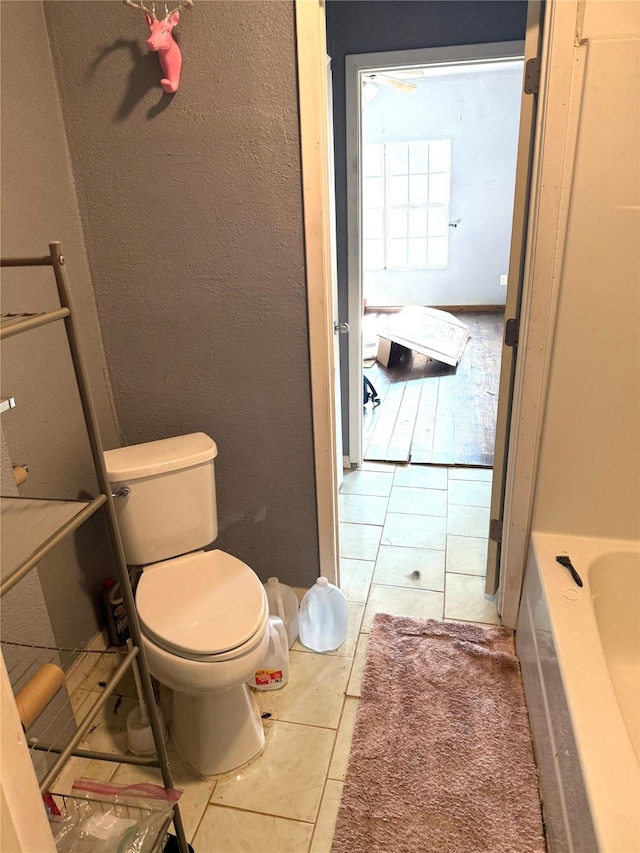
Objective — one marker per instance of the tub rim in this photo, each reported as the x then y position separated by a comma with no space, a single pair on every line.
610,767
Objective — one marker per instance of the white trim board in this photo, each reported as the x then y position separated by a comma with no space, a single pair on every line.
554,154
314,148
23,822
513,301
355,66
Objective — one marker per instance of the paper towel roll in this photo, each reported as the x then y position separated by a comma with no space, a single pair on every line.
20,474
38,692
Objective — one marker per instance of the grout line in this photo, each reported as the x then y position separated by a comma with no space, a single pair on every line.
309,725
326,778
419,514
325,654
410,588
202,817
414,547
444,592
468,575
263,814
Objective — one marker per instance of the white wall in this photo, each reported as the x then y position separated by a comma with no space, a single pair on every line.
589,469
479,111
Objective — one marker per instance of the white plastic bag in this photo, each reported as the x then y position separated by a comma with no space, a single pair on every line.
102,818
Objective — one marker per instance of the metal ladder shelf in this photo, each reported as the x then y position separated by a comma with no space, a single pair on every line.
31,528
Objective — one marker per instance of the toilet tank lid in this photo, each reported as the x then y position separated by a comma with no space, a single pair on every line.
159,457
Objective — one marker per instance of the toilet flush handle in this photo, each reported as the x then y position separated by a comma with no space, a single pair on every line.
124,492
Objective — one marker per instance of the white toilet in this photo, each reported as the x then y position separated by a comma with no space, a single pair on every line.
204,615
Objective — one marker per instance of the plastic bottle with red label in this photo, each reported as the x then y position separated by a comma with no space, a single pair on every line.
273,672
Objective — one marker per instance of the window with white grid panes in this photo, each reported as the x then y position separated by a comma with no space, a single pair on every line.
405,205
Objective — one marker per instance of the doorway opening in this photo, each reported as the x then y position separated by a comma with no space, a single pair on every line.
437,167
345,32
434,145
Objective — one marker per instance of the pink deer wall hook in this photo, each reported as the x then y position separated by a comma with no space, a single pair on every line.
162,42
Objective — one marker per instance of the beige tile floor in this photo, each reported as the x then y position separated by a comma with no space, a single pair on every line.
396,521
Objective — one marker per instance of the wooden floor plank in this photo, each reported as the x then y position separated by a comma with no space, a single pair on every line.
444,430
483,386
465,407
381,379
489,368
370,413
422,445
399,449
387,413
386,421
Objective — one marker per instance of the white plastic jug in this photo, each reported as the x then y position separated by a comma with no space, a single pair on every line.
323,618
273,672
283,602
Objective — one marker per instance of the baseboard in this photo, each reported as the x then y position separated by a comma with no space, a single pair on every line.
452,309
346,463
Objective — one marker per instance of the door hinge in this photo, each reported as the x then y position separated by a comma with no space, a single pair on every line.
495,530
511,332
532,76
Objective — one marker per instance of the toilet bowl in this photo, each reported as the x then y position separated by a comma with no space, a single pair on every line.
204,615
203,638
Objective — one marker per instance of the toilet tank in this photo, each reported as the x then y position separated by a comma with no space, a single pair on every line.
171,506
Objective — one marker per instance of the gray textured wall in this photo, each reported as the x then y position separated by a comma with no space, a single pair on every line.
46,430
192,215
479,111
370,26
24,613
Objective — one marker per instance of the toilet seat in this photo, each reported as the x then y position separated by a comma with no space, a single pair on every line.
207,605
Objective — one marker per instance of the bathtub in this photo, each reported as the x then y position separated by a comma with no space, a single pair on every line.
579,650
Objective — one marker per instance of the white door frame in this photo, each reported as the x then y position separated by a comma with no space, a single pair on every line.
524,169
355,67
23,823
553,158
311,46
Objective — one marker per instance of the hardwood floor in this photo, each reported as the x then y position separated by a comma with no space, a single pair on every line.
431,413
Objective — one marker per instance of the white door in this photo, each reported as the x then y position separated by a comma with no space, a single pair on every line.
338,328
514,295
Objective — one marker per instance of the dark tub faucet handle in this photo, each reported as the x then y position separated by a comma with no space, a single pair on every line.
566,562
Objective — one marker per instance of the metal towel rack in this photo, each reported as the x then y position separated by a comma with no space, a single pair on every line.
32,528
